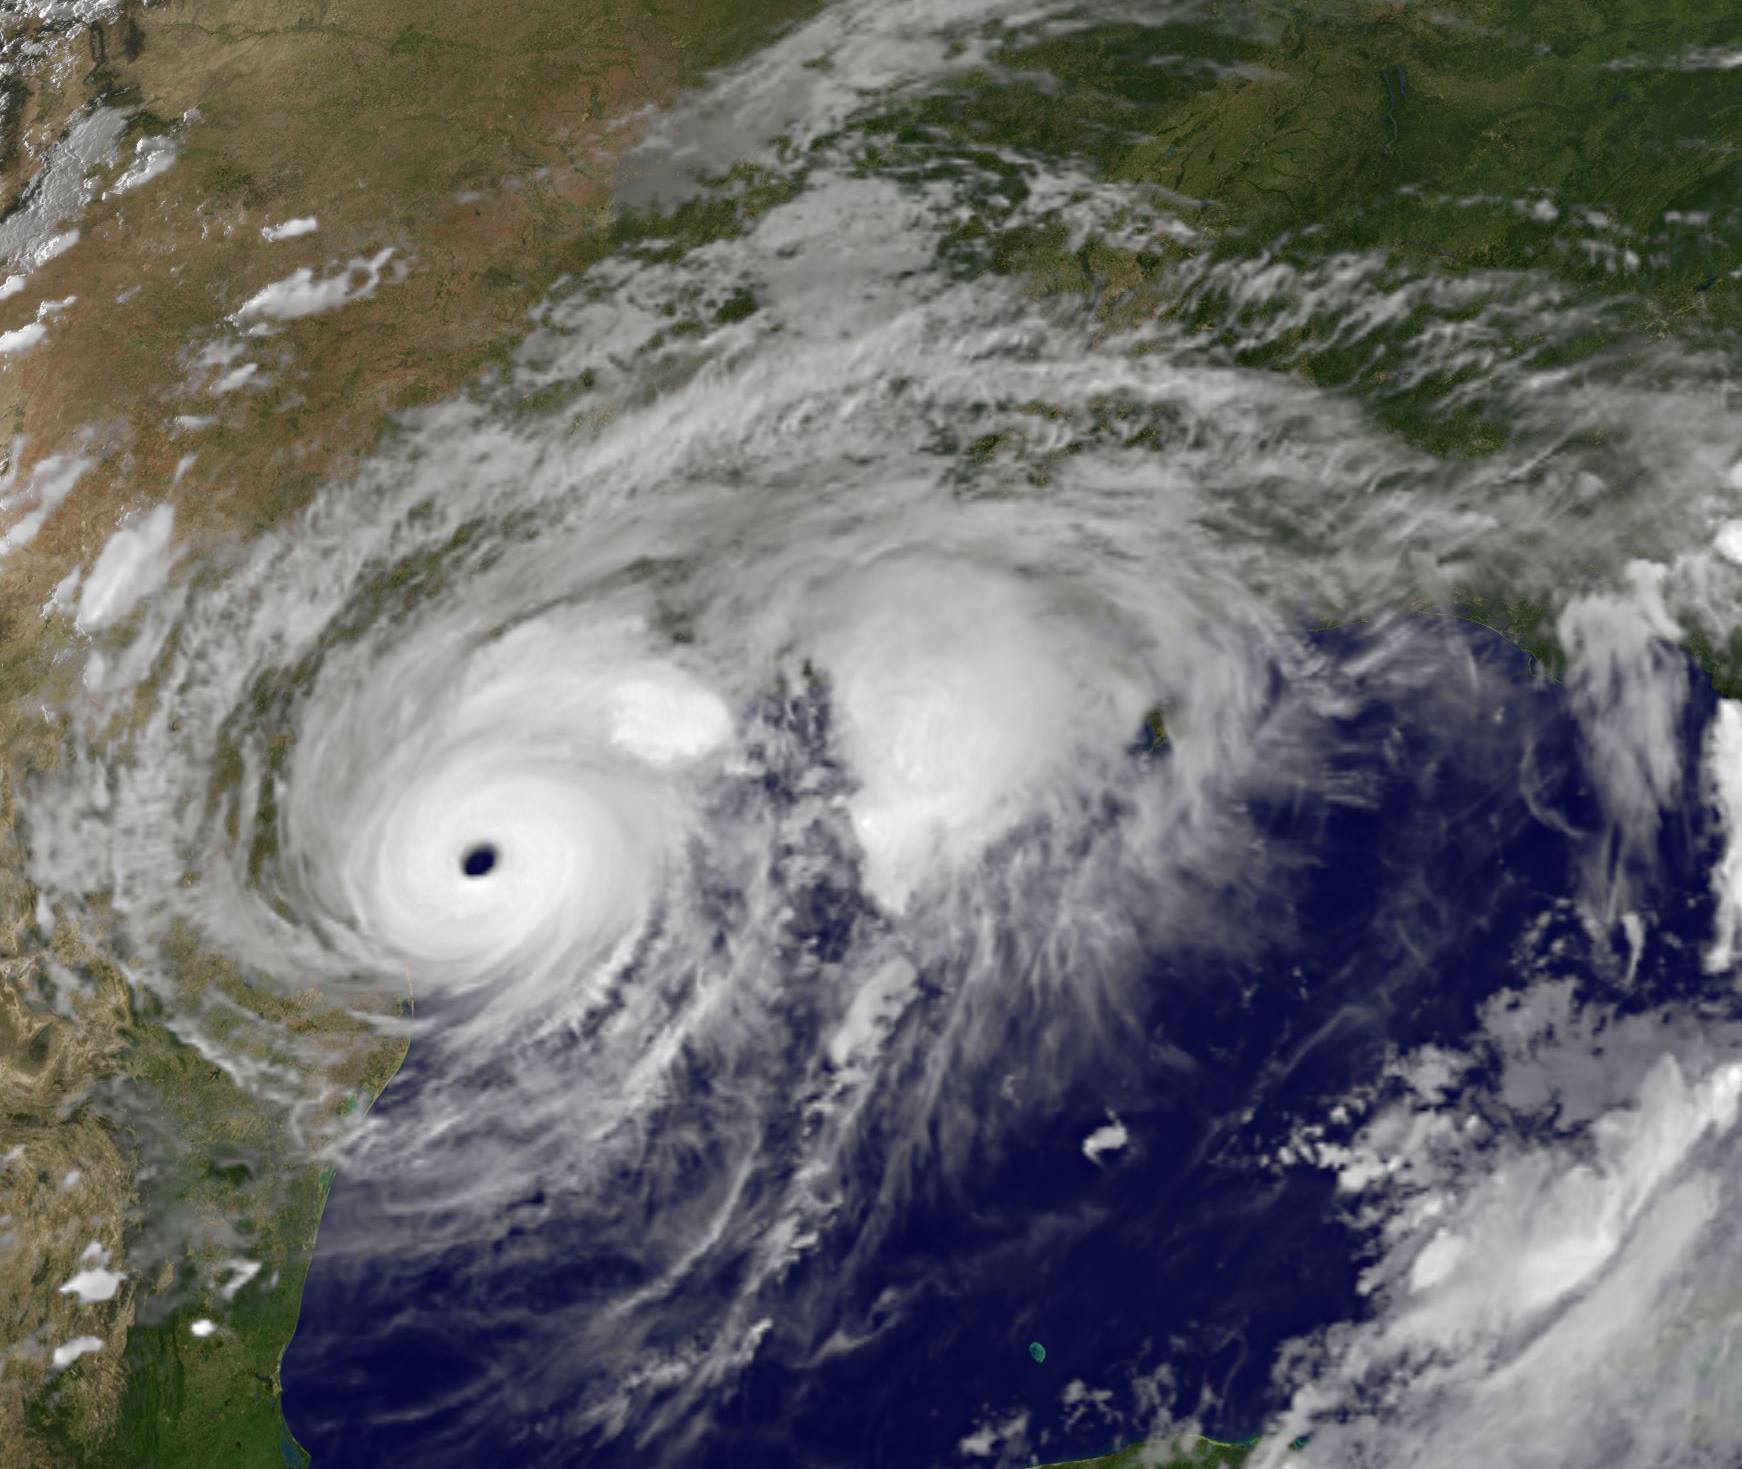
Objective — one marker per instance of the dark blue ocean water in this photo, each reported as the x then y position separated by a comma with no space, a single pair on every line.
1387,900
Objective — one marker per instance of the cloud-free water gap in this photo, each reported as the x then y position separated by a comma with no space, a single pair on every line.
1082,966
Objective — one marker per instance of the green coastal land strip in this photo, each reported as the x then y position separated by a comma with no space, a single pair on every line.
1201,1453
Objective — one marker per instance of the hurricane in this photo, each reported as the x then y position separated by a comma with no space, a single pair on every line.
897,813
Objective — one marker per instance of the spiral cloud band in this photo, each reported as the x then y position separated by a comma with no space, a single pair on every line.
749,763
526,811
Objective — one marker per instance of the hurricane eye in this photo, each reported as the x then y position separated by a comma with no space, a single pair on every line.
479,860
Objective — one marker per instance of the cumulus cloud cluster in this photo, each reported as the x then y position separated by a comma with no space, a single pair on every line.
1554,1256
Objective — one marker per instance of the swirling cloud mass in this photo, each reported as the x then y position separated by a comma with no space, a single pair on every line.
749,776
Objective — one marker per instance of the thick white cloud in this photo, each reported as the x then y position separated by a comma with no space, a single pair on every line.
1723,780
303,293
93,1285
1539,1303
131,566
960,692
152,158
69,1352
555,746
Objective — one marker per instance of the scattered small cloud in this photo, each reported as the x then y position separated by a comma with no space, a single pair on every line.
235,378
53,246
79,1346
302,293
992,1437
1107,1139
94,1285
152,156
22,339
14,343
1698,58
50,482
290,229
240,1272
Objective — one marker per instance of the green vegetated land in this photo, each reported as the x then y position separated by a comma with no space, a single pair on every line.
1565,140
1590,144
187,1400
1205,1453
1305,138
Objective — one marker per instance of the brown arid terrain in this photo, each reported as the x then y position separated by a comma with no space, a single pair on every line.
438,167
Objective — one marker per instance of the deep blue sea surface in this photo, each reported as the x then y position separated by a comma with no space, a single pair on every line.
1391,898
